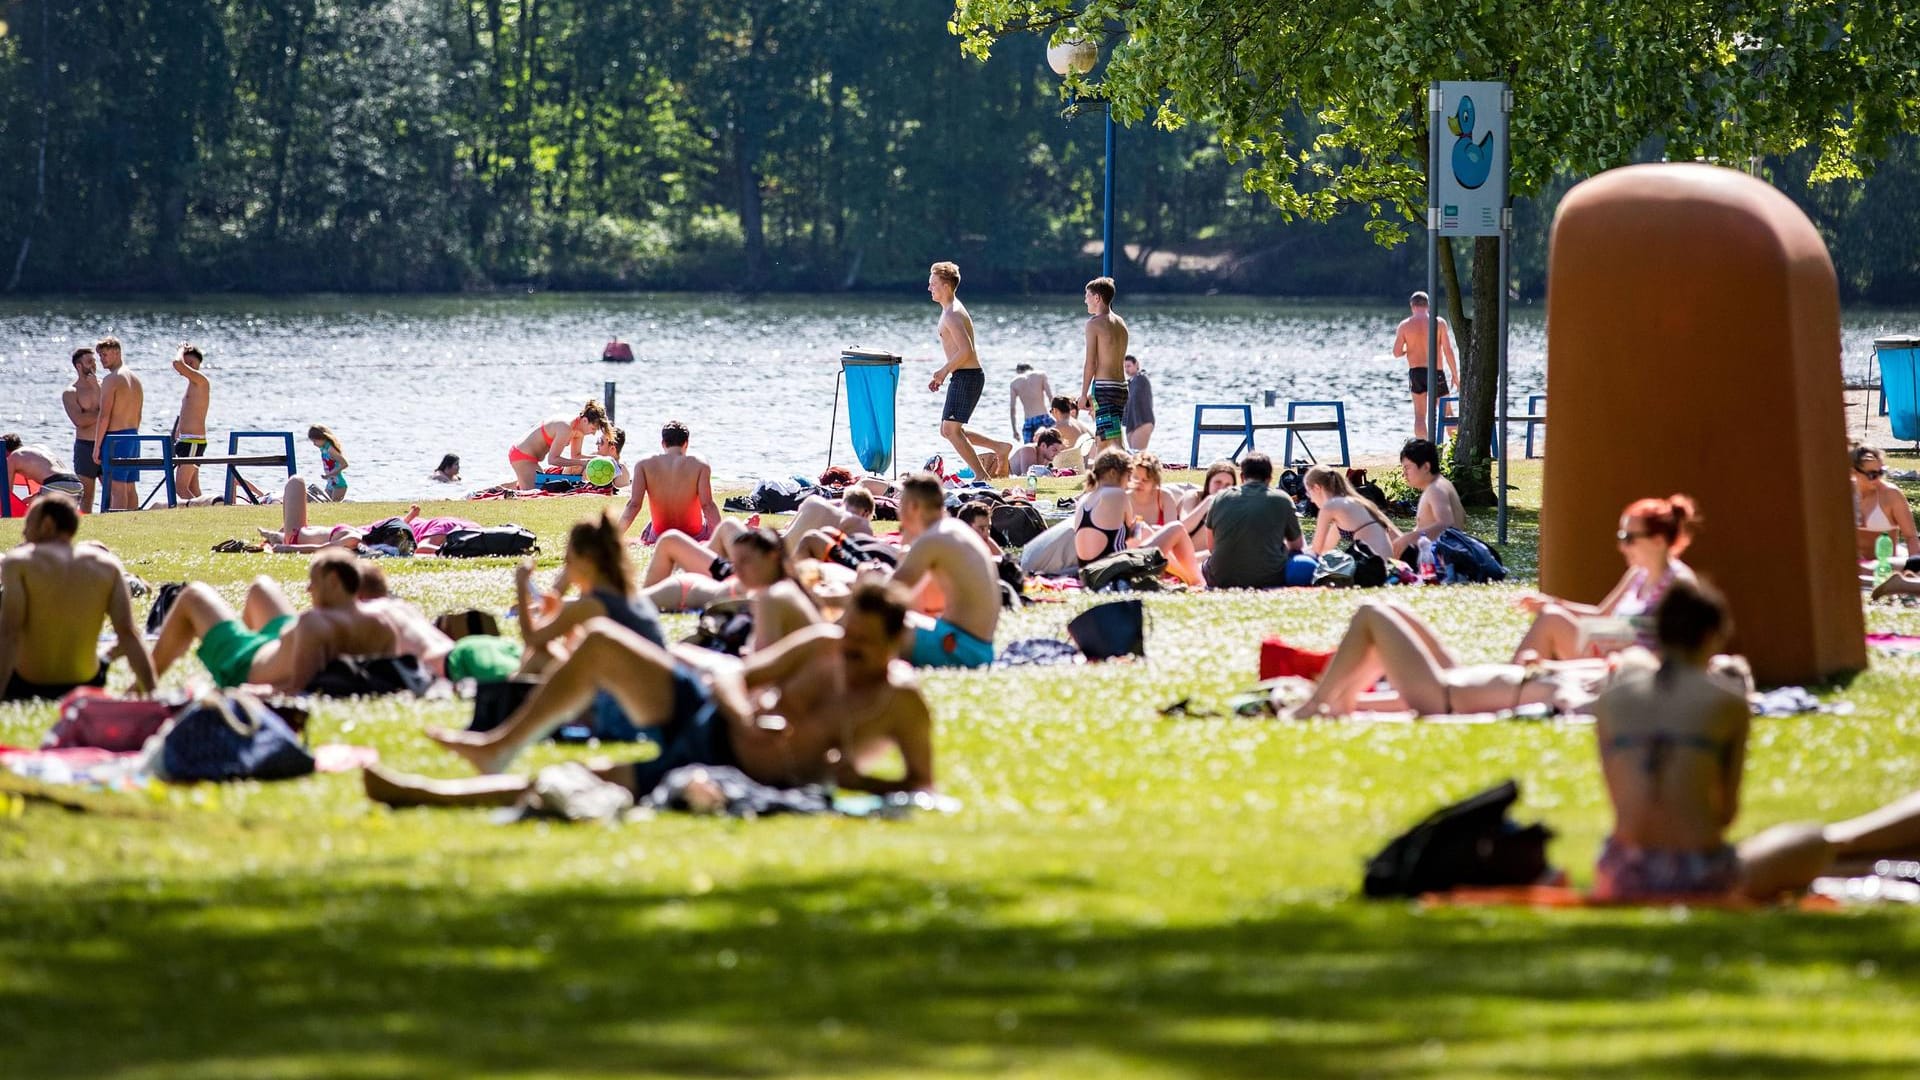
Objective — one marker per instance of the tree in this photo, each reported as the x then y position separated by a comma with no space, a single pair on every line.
1594,82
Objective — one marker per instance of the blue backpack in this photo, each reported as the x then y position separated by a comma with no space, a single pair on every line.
1463,558
232,737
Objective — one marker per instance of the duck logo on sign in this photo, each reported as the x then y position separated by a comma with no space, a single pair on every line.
1472,161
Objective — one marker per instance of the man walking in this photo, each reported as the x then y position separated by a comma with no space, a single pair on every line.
961,372
82,402
1410,341
190,428
122,399
1103,388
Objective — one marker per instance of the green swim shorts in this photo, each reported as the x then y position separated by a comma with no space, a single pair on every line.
228,648
483,659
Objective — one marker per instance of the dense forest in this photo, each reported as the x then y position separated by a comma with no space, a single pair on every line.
402,145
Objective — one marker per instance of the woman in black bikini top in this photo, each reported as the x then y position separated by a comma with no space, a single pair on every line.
1109,473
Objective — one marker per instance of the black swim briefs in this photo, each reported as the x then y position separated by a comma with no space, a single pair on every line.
963,393
695,734
720,569
83,462
1417,379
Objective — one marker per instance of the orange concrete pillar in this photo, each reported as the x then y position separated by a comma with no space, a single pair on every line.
1693,345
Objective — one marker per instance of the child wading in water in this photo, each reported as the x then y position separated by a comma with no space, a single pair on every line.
333,463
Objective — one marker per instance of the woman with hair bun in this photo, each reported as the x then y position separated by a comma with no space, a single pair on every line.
1653,533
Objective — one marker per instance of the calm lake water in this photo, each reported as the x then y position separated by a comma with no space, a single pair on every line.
405,380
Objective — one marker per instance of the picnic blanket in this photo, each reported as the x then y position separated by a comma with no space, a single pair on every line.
1562,896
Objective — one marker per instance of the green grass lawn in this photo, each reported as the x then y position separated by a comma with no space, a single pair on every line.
1123,895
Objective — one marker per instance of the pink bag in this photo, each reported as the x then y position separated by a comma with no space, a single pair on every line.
89,716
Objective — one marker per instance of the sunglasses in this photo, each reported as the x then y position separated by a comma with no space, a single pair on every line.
1874,474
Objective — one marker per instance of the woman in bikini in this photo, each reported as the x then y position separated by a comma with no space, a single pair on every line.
553,441
759,574
598,569
1879,506
1105,522
1345,514
1152,503
1653,533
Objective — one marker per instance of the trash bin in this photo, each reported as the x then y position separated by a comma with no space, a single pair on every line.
1899,360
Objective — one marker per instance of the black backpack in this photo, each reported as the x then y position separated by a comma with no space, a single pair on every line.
1471,842
1019,523
393,533
1369,569
364,676
498,540
1140,568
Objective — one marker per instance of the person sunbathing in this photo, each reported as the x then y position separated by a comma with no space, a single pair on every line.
296,536
267,642
1152,503
1653,534
760,575
54,594
551,442
816,523
1880,508
815,708
414,634
1385,639
597,567
1220,476
1105,522
954,584
1345,514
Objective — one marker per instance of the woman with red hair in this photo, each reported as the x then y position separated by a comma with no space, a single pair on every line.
1653,533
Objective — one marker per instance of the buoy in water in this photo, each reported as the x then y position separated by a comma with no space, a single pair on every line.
617,352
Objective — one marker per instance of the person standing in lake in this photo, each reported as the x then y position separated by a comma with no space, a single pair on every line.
1029,393
965,380
190,427
122,399
1410,341
82,402
1103,387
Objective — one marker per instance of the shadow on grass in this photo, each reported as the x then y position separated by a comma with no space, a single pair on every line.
844,975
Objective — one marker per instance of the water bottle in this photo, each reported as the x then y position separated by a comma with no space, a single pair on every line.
1033,482
1883,558
1426,563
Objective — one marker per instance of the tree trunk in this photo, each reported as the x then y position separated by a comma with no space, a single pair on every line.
747,106
40,151
1480,378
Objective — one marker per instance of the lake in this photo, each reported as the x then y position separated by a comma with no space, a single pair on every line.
403,380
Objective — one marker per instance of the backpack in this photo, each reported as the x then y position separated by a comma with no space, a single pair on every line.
725,627
392,532
1465,558
858,549
1367,489
1335,570
469,623
89,716
163,603
1139,568
232,737
1471,842
1019,523
1013,583
365,676
1116,628
779,496
1369,569
498,540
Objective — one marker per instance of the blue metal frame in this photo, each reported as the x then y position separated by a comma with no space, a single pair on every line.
233,449
1534,404
1246,429
1339,417
108,456
1449,421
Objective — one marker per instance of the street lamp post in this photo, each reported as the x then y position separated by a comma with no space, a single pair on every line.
1078,55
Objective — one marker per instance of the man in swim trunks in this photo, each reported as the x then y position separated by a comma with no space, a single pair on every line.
1410,341
122,398
1103,378
812,707
680,485
267,642
1046,446
951,577
1029,392
82,402
961,372
37,464
190,427
54,594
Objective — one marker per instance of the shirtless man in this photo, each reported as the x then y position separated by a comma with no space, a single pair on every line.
268,643
121,400
955,589
54,594
814,707
37,463
1046,446
1029,393
1410,341
190,427
680,485
963,367
1103,379
852,515
82,401
1440,505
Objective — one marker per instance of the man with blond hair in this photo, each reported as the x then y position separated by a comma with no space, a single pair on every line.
965,380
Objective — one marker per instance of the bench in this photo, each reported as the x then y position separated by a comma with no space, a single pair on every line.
1239,421
122,452
1534,417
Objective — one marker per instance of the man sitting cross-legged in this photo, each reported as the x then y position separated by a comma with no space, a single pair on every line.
814,707
267,643
955,586
56,594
